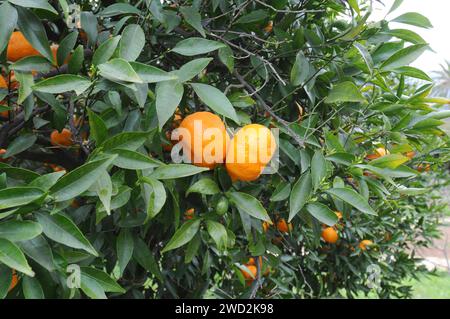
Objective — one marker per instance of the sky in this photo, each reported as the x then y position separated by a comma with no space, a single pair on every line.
438,12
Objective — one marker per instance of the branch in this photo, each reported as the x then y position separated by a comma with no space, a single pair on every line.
299,140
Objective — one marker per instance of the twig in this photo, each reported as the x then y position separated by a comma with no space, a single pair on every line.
300,141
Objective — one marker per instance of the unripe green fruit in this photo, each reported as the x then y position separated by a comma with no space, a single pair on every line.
222,206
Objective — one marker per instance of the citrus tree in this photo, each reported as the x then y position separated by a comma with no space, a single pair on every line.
95,203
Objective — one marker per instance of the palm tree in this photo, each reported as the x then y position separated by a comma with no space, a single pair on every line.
442,79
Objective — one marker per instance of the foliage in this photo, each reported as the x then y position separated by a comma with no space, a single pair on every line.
337,87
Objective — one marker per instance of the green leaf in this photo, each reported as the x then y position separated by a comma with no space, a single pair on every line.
353,198
20,144
168,97
39,250
103,187
151,74
105,51
32,289
195,46
406,35
300,70
103,279
61,229
66,45
218,233
318,169
205,186
19,196
413,73
192,16
46,181
226,57
300,194
36,4
249,205
15,230
216,100
133,160
365,55
155,196
404,57
183,235
31,63
345,92
8,22
63,83
322,213
90,26
132,42
76,60
97,127
415,19
79,180
389,161
124,247
281,192
119,9
126,140
91,287
395,5
119,70
25,88
253,17
33,30
145,258
173,171
13,257
192,68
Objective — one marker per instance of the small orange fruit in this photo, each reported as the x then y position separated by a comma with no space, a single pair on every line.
3,151
189,214
330,235
251,149
253,272
63,138
14,280
204,137
365,243
424,167
3,83
379,152
283,226
265,226
410,155
268,28
19,47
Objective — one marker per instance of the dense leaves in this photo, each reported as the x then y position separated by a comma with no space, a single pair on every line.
96,201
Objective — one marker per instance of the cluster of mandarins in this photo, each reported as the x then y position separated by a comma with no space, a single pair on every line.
241,155
18,48
250,271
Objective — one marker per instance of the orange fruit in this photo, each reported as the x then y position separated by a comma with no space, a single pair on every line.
268,28
253,270
379,152
365,243
251,261
14,280
410,155
63,138
189,214
265,226
3,151
424,167
251,149
204,138
283,226
330,235
19,47
3,83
